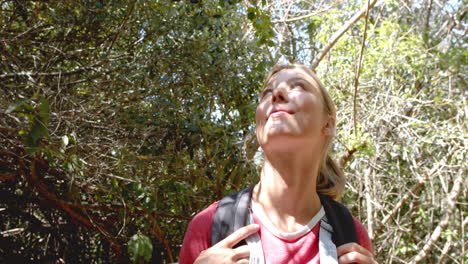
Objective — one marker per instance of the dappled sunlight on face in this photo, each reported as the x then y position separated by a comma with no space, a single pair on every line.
290,112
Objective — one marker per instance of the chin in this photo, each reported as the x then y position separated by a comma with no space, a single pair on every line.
279,130
283,148
274,136
278,141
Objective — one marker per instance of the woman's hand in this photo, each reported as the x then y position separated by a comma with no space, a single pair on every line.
223,252
354,253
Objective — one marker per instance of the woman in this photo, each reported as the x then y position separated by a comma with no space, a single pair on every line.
295,125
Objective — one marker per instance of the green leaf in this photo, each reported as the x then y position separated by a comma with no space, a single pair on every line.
140,247
251,12
38,130
38,125
44,110
18,105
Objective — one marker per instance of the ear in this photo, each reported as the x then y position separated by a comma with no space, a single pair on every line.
329,127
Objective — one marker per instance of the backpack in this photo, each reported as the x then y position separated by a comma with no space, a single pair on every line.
233,209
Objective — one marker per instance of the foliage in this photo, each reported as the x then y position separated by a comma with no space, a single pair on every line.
119,120
140,248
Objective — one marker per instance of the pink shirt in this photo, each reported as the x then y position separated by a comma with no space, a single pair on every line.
276,250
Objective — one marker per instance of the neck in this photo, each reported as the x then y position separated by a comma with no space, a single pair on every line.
287,189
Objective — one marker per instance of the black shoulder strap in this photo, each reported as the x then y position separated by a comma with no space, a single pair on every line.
233,209
340,219
231,214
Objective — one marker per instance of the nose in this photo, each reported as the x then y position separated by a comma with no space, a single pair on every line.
279,95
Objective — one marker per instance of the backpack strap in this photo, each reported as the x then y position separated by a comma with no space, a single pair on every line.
233,209
231,215
340,219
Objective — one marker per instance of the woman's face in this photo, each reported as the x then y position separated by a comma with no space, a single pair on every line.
291,112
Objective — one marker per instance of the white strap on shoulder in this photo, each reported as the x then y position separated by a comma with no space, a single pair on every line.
327,248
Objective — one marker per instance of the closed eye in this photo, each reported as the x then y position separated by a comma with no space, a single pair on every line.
297,86
266,92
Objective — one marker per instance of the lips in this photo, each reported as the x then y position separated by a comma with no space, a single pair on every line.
280,111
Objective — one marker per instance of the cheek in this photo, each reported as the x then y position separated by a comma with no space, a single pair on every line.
311,103
260,114
312,109
260,120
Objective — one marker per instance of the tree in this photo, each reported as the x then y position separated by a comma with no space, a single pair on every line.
122,119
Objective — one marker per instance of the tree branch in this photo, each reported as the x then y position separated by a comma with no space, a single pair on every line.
457,21
7,177
60,73
340,33
122,25
286,20
349,154
426,24
358,70
451,202
445,251
414,191
36,74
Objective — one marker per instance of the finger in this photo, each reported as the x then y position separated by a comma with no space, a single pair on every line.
237,236
241,252
353,247
355,257
242,261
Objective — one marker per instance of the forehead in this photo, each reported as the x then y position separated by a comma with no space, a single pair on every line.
295,74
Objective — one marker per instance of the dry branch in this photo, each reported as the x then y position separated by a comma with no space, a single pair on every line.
11,232
349,154
340,33
451,202
358,69
293,19
415,190
7,177
44,74
445,251
41,187
121,27
60,73
458,20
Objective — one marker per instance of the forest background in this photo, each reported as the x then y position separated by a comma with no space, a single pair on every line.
119,120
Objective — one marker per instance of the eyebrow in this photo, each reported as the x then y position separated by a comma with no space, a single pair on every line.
294,79
300,79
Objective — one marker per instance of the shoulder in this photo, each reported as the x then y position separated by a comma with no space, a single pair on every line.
362,235
204,218
197,236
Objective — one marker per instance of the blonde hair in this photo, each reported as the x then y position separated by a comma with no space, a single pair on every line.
331,180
